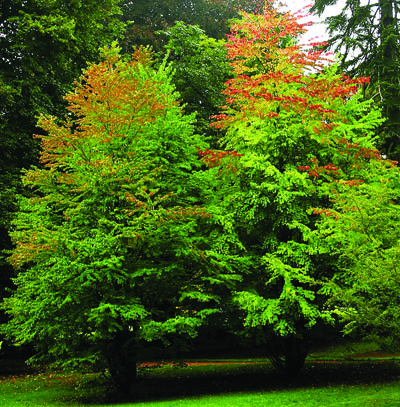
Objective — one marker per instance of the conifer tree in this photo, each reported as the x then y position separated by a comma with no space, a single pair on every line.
366,35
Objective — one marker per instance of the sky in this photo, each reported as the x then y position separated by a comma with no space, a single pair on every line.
318,28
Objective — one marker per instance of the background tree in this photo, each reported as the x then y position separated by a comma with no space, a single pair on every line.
144,18
200,68
288,120
366,34
43,47
107,249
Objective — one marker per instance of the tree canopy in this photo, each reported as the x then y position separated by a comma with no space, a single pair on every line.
289,122
200,68
43,47
144,18
106,246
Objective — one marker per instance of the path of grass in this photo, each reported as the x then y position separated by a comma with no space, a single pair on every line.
352,396
351,384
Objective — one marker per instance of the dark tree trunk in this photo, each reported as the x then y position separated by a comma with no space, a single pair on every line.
388,74
388,30
120,354
288,354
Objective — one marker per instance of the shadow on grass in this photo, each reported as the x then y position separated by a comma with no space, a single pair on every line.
195,381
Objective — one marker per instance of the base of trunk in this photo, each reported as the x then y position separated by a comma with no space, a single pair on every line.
288,355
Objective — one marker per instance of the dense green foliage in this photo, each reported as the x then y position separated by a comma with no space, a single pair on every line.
144,18
363,229
107,247
200,68
288,132
43,47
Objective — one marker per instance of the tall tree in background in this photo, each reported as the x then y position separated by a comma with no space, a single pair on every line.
289,120
366,33
144,18
107,248
43,48
44,45
201,69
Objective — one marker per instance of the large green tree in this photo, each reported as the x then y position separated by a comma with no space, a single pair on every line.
44,45
289,120
107,249
366,35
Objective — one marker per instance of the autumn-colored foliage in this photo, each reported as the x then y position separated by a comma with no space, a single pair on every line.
137,230
298,129
106,246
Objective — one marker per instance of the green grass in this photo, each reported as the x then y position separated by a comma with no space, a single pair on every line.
344,350
349,382
388,395
229,385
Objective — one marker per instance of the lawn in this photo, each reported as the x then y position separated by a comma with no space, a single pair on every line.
326,382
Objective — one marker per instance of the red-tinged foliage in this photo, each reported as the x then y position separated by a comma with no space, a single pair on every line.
316,171
31,247
279,78
353,182
100,93
273,72
327,212
103,144
226,160
214,158
263,35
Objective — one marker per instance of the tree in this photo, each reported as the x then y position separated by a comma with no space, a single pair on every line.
107,249
200,71
289,120
43,47
144,18
367,36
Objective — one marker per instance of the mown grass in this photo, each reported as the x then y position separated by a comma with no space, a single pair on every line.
322,383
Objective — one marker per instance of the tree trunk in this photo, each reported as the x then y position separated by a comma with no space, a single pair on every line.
388,30
120,354
288,354
388,74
